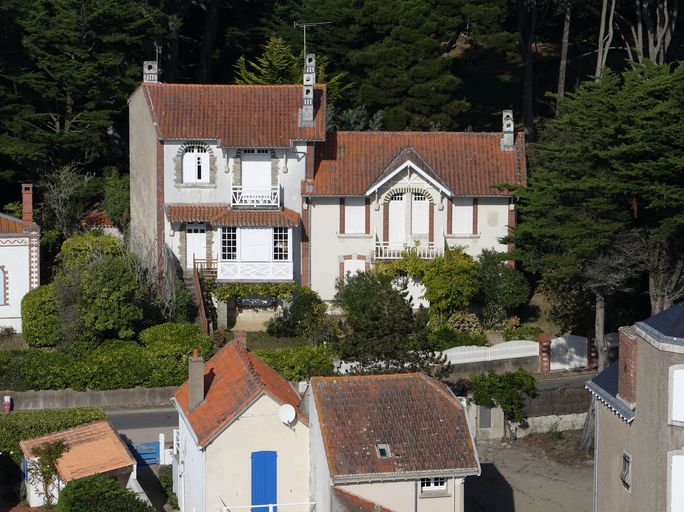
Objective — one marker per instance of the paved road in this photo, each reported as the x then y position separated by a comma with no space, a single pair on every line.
141,426
572,380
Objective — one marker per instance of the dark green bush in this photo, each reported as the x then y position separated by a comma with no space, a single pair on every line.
184,307
443,338
299,363
522,333
166,482
502,288
39,318
304,312
161,360
98,493
29,424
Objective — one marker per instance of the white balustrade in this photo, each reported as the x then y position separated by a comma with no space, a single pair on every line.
255,270
255,197
390,251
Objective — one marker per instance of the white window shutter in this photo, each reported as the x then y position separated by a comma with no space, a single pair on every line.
677,483
355,215
354,266
463,216
678,395
420,215
256,244
189,167
256,171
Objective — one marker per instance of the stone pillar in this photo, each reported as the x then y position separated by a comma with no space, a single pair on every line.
544,341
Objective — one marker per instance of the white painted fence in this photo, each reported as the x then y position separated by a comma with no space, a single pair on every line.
507,350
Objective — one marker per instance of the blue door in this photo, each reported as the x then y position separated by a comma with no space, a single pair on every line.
264,490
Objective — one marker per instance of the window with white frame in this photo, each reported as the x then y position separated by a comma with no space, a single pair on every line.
676,414
675,481
462,216
196,164
256,170
353,267
435,483
626,473
228,243
281,245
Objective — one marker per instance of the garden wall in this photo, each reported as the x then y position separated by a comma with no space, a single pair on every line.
111,399
465,370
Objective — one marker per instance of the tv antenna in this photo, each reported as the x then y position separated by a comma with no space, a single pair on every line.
307,25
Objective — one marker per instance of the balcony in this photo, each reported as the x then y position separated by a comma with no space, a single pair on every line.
254,271
393,251
304,506
251,197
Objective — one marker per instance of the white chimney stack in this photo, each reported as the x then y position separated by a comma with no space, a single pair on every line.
150,71
508,131
306,113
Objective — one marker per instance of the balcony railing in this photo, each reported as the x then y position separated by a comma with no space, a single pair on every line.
255,270
303,506
250,197
393,251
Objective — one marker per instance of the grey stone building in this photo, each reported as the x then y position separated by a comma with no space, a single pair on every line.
639,448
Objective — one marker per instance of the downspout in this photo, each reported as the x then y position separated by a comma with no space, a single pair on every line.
415,495
596,456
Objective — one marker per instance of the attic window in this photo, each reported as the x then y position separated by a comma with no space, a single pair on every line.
383,451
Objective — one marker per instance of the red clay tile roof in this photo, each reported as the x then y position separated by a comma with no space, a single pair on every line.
10,224
348,502
470,164
221,214
93,449
423,424
237,115
233,378
97,219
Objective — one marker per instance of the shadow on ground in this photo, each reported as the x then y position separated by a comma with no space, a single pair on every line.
490,492
147,477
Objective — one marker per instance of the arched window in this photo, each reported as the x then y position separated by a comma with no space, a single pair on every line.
196,164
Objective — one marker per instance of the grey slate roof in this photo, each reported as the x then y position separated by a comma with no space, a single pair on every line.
605,387
667,326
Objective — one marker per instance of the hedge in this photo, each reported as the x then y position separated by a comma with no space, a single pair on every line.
522,333
29,424
98,493
160,360
40,320
299,363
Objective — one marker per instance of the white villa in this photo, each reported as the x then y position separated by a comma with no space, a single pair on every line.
19,260
245,182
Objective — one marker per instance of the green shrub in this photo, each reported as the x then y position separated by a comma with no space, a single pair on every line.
161,360
299,363
184,307
304,312
522,333
463,321
166,482
39,318
98,493
29,424
502,288
444,338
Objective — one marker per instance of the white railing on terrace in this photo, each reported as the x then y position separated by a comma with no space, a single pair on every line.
391,251
255,270
506,350
255,197
303,506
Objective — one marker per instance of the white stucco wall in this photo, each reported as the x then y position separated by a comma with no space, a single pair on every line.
228,458
492,224
14,260
191,471
319,475
405,496
34,489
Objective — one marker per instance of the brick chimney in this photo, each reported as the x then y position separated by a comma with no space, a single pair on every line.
195,380
628,366
240,338
27,203
544,341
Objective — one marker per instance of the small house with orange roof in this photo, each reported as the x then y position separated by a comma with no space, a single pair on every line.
243,439
92,449
19,260
388,442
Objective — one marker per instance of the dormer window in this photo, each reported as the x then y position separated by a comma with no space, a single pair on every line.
196,164
383,451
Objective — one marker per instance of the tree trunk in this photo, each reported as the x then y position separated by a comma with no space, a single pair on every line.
564,49
599,330
209,41
527,21
665,274
604,40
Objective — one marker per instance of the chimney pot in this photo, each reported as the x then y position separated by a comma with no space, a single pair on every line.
27,203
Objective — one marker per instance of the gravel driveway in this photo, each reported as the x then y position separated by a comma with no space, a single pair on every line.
518,478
